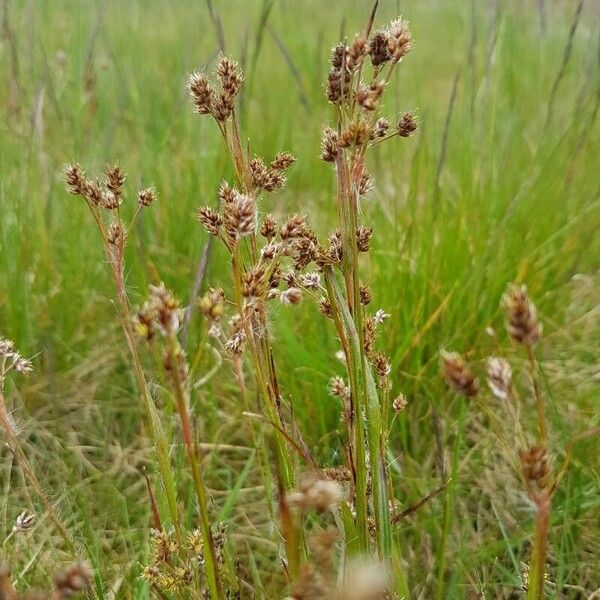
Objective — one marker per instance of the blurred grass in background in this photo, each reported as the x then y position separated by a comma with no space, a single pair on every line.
501,183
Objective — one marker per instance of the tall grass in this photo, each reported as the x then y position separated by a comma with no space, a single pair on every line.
490,190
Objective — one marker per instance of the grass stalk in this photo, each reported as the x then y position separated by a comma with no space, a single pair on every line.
448,504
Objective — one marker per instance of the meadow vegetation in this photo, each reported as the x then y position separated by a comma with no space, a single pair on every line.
334,336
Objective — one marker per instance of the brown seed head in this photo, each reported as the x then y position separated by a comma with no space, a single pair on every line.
379,48
329,145
227,194
363,238
253,284
399,39
240,216
356,53
75,179
92,192
365,184
522,322
400,403
146,197
110,200
211,219
115,178
407,125
292,295
325,307
338,387
535,465
382,365
365,295
201,92
381,128
72,580
458,375
282,161
293,228
268,229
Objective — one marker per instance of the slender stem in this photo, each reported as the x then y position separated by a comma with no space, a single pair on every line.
182,404
449,504
156,430
539,399
537,567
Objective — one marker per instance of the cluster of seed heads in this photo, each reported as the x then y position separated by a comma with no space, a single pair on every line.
458,375
11,359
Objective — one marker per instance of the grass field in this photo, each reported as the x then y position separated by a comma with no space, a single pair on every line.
499,184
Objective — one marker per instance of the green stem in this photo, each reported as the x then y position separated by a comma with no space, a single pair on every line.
182,404
449,504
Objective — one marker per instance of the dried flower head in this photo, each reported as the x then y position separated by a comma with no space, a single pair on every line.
363,238
399,39
24,521
458,375
407,125
499,377
115,178
379,48
211,219
365,295
329,145
522,322
201,92
382,365
268,229
240,216
316,494
146,197
338,387
292,295
535,465
312,281
400,403
75,179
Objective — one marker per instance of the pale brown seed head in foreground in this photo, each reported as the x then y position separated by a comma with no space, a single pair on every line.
522,322
338,387
382,365
72,580
458,375
365,295
499,377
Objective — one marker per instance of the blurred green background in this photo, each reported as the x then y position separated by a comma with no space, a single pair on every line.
500,184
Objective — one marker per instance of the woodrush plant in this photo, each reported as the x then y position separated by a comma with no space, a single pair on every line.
532,461
269,263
